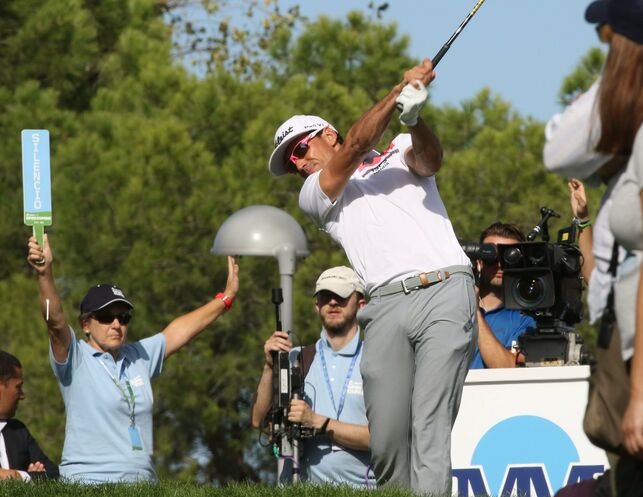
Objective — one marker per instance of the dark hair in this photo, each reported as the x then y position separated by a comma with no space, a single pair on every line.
504,230
620,99
9,364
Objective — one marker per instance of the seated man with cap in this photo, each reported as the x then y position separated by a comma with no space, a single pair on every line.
104,381
333,406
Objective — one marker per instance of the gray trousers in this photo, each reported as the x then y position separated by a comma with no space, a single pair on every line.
417,350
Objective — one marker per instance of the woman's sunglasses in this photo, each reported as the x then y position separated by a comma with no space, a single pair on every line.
105,316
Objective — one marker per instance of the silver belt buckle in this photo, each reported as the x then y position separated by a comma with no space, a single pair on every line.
404,287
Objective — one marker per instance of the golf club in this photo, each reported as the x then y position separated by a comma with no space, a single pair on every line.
447,45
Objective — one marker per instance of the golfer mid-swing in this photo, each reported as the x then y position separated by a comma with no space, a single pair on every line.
386,212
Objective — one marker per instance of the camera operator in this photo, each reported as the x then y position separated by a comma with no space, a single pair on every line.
333,404
498,327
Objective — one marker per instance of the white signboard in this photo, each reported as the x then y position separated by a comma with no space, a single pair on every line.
519,432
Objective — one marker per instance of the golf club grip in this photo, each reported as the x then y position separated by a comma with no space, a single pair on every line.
439,55
434,61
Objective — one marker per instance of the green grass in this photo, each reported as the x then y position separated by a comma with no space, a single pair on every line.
182,489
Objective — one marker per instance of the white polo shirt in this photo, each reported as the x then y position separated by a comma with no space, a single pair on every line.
391,222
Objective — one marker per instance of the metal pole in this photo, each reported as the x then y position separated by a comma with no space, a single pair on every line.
287,259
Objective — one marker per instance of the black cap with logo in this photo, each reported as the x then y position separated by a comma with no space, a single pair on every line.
101,296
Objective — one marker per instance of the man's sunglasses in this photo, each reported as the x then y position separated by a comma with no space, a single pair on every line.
299,150
104,316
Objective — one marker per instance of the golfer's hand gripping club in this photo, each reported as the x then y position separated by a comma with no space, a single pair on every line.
410,102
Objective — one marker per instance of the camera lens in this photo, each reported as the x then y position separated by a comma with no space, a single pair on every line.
512,256
529,291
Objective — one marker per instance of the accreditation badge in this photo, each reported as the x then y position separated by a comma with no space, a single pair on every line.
135,437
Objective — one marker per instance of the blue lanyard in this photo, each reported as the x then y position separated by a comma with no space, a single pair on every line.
342,398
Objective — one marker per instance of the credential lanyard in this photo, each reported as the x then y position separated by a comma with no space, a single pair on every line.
131,400
342,398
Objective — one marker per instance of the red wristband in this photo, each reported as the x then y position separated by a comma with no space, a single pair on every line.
227,301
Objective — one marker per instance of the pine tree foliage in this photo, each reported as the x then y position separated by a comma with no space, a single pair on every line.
149,160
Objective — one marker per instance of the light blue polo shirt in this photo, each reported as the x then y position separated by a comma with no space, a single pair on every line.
98,446
322,461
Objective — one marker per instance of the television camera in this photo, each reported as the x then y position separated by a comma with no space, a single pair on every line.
287,384
542,279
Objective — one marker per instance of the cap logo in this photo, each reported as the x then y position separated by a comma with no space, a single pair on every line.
283,135
333,276
117,292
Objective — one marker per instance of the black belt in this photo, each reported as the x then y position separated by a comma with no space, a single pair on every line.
422,280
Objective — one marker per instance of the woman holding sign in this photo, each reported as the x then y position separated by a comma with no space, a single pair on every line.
104,381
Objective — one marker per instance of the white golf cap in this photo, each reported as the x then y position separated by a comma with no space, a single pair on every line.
340,280
287,132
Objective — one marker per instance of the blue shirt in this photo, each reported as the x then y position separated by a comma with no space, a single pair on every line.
322,460
507,325
98,447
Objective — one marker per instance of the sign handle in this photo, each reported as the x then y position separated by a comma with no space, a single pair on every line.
39,233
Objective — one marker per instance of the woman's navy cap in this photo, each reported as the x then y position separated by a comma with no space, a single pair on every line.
626,18
596,12
102,295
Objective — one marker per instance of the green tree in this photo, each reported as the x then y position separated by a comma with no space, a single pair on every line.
148,161
581,78
215,35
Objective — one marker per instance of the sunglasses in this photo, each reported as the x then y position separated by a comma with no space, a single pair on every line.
300,149
106,317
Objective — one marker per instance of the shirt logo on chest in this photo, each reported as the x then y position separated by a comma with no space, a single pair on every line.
373,165
355,388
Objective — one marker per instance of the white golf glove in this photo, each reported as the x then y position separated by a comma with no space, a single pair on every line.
411,101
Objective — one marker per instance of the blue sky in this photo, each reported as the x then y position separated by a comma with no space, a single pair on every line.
521,49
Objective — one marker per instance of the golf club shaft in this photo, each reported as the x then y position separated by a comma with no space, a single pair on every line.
447,45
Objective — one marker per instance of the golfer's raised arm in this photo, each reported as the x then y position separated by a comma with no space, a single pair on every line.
364,135
360,140
424,158
41,259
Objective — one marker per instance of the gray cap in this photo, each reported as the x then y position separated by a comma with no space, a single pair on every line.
340,280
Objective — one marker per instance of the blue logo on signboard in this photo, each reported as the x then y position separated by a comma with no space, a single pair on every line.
523,455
